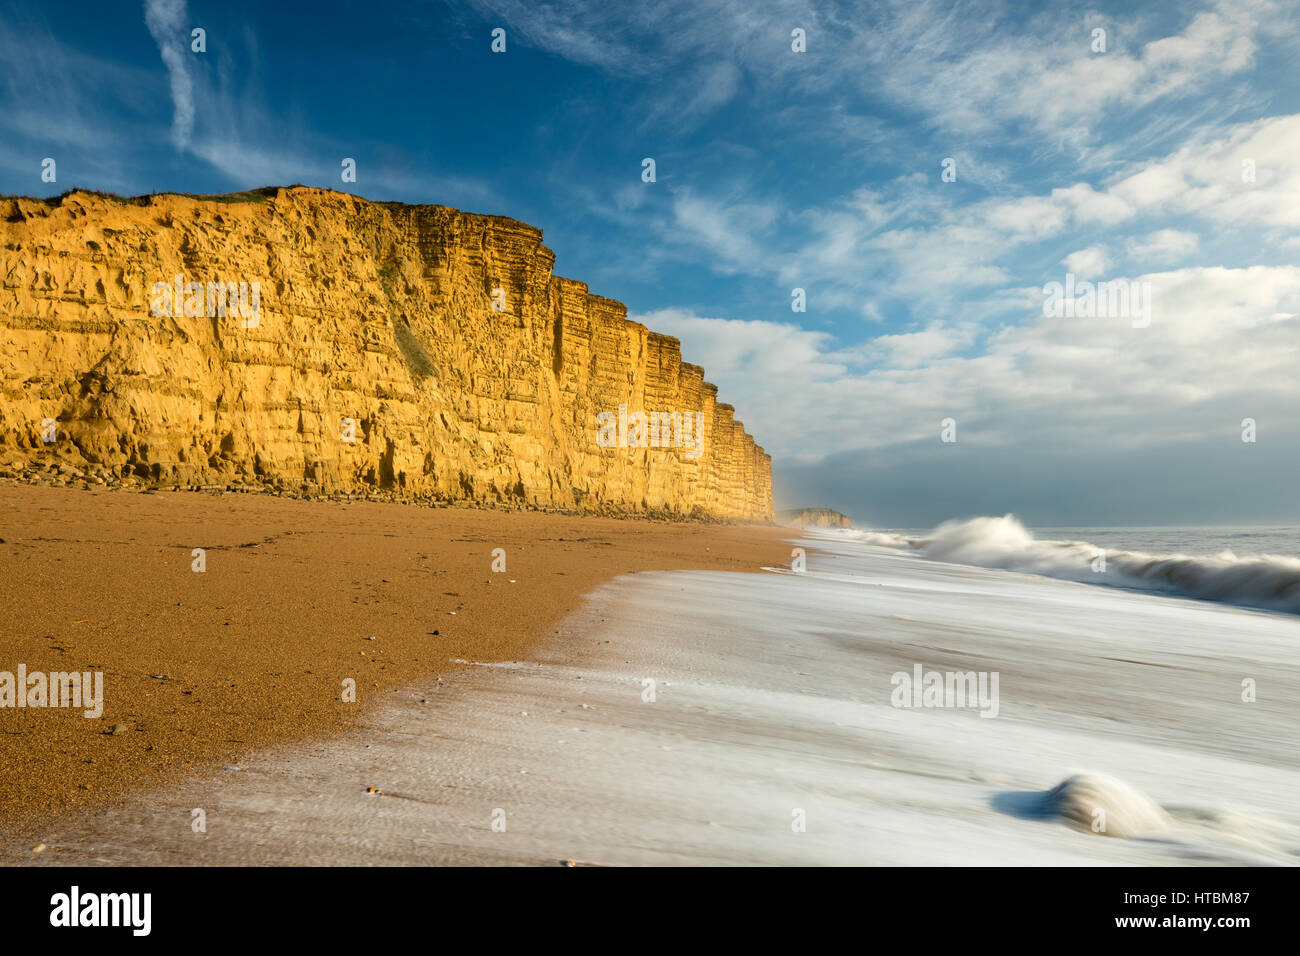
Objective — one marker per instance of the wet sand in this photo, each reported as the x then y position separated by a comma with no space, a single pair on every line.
200,668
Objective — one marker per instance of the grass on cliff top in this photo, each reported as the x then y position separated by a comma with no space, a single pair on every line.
249,195
262,195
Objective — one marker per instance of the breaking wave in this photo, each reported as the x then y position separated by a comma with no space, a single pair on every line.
1267,581
1106,806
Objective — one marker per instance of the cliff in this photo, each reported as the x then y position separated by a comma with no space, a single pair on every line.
813,518
412,352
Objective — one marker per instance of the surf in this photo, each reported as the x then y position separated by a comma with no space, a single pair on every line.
1264,581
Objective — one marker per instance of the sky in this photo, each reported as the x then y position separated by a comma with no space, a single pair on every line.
921,171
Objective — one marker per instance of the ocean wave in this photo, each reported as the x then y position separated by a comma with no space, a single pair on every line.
1267,581
1105,805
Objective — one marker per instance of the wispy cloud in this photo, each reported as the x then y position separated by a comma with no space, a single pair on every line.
167,21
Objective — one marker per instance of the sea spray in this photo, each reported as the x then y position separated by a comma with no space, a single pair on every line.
1266,581
1106,806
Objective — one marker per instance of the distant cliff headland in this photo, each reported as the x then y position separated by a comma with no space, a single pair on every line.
813,518
310,342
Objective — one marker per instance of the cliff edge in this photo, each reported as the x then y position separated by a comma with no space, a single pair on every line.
312,342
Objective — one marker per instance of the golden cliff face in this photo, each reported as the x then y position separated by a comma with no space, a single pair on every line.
416,352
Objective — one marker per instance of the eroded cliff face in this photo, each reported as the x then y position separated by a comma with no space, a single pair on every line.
416,352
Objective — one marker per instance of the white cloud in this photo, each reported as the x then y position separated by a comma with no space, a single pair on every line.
1088,263
1164,246
1091,207
913,349
1247,176
1223,344
729,231
167,21
905,240
1032,75
1004,68
1030,217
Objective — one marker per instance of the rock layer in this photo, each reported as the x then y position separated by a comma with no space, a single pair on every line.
415,352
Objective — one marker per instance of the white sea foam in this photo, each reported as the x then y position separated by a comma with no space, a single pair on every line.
1105,805
1267,581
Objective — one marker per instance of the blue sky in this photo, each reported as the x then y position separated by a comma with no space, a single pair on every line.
778,170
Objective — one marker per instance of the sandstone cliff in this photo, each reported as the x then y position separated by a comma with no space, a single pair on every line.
468,371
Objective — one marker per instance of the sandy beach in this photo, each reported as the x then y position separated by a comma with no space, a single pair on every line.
748,717
202,669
